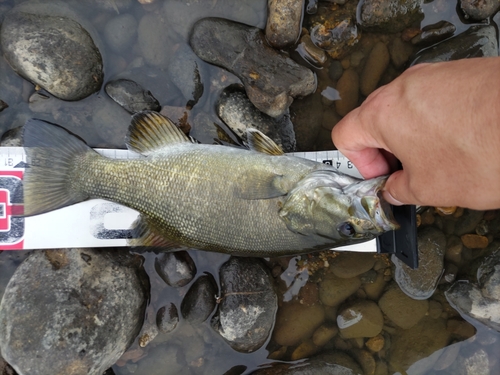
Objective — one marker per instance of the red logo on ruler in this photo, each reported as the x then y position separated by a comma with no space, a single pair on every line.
11,205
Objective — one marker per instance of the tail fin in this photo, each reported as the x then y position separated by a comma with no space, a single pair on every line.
52,153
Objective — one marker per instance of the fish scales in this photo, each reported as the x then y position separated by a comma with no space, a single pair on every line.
256,202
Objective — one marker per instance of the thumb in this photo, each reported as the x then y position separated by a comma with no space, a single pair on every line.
397,191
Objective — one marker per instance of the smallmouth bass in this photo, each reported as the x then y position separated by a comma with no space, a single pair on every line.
257,202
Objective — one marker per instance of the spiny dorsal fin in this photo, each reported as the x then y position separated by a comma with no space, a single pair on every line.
260,142
151,131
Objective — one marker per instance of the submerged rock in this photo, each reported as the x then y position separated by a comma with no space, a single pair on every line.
248,307
176,268
238,112
131,96
314,367
477,41
271,80
186,72
390,16
199,301
167,318
479,10
284,22
421,283
53,51
72,311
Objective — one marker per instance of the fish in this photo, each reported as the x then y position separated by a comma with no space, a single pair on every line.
245,201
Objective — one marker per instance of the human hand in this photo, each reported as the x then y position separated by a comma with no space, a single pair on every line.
442,121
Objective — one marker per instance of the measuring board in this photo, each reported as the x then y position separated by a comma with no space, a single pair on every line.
100,223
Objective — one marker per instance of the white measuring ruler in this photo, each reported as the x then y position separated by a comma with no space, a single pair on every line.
96,222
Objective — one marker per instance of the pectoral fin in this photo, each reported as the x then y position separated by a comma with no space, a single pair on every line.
260,186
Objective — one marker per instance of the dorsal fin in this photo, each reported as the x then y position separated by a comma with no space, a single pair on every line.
260,142
151,131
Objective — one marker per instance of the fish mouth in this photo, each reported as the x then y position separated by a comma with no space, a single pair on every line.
374,205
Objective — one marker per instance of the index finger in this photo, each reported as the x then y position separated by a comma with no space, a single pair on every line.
359,146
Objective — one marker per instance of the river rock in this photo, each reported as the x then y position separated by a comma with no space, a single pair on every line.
349,264
153,38
410,345
307,117
72,311
199,301
334,290
402,310
175,268
271,80
284,19
238,112
360,319
186,72
390,16
421,283
334,28
246,313
375,66
348,88
121,32
476,363
53,51
167,318
435,33
479,10
131,96
296,322
5,368
477,41
314,367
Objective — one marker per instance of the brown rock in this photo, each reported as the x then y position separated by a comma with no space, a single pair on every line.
375,344
296,323
377,63
350,264
333,290
474,241
324,333
348,88
284,22
361,319
402,310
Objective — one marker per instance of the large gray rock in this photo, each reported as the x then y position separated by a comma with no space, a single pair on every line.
199,301
72,311
238,112
271,80
248,307
421,283
131,96
52,50
479,10
477,41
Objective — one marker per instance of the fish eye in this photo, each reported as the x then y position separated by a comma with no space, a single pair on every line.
347,229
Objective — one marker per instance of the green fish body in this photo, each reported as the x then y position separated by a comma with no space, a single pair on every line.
256,202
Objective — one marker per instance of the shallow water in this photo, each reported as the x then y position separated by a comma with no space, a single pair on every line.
203,351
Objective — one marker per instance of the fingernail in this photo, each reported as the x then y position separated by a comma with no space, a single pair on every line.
389,198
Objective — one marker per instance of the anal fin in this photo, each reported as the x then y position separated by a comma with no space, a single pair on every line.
144,233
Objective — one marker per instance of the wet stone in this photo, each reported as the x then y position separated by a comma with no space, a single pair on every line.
375,66
390,16
284,20
12,138
271,80
474,241
334,28
5,368
435,33
361,319
310,52
307,116
52,51
186,72
334,290
239,114
335,70
477,41
72,311
479,10
351,264
199,301
311,367
400,52
131,96
420,283
402,310
167,318
154,40
246,312
121,32
468,222
296,322
175,268
348,88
